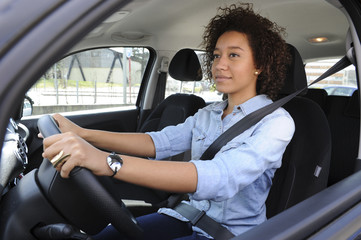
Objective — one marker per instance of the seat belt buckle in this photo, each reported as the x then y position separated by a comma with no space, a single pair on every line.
198,217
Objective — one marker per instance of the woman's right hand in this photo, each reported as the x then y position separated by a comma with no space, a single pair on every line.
78,151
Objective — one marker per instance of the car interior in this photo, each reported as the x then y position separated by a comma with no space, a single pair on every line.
127,70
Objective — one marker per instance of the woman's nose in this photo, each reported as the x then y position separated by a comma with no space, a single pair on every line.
220,63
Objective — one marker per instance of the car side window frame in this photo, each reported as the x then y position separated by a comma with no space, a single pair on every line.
74,64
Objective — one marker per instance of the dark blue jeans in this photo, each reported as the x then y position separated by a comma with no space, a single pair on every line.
155,226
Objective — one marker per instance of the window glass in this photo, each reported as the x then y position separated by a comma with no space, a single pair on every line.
203,88
93,79
342,83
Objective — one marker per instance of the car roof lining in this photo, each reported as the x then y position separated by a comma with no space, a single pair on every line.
171,35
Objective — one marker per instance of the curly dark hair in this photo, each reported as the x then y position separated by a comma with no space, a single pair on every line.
270,51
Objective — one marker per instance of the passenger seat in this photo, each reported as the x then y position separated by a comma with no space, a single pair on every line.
317,95
178,107
343,114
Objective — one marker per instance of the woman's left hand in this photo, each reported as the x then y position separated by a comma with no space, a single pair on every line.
81,154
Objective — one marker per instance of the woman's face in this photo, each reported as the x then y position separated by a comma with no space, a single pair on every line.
233,68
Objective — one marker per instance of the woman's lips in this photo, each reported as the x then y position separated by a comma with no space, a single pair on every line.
222,78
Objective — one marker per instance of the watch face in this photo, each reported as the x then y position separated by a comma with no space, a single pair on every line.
114,162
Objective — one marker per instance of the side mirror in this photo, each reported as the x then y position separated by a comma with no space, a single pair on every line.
27,106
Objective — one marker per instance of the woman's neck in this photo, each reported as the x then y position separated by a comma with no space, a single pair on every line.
234,101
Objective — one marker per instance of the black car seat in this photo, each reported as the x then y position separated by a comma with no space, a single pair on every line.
344,117
309,147
176,108
318,95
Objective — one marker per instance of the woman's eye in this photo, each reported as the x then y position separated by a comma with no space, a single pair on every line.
233,55
215,56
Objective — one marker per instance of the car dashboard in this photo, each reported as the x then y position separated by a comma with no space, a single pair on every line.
13,160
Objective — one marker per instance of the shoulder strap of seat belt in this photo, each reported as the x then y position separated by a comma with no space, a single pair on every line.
199,218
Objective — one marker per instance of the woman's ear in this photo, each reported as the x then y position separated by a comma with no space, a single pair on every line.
257,72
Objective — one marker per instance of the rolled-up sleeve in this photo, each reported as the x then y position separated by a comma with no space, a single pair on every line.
173,140
244,159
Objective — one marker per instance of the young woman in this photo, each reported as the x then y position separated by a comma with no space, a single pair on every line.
246,58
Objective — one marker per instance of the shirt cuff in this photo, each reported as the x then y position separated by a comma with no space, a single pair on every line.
161,144
208,177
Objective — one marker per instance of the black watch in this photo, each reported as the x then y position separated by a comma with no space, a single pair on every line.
115,162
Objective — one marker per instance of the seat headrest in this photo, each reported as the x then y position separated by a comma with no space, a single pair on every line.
185,66
296,75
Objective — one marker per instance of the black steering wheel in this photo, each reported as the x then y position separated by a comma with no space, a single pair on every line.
110,208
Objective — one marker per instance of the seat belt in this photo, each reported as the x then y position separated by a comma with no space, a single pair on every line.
196,216
201,220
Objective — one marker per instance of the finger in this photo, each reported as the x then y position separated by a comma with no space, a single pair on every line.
59,159
56,121
65,125
57,118
48,141
66,167
52,146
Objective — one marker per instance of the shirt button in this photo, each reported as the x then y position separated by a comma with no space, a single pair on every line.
239,108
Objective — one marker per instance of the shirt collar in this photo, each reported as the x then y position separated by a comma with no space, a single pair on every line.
254,103
247,107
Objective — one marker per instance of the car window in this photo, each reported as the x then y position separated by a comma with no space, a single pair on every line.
204,88
342,83
92,79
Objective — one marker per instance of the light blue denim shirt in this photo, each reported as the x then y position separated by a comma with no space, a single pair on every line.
233,186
